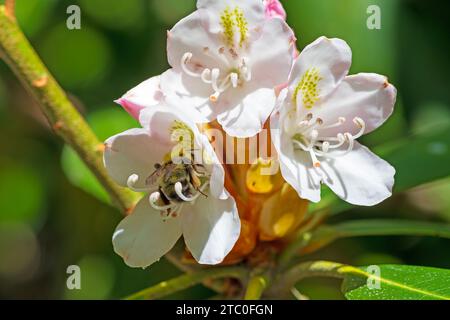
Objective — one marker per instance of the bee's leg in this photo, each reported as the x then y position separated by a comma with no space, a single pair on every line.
199,190
195,181
200,170
163,197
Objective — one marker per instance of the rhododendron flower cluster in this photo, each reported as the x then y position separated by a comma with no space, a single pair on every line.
229,61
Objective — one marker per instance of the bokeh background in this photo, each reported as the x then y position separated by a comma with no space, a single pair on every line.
49,218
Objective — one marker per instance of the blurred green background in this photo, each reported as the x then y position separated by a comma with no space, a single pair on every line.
48,216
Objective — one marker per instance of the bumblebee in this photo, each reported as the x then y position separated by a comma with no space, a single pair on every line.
168,174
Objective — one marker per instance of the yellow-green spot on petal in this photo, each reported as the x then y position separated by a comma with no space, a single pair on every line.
227,23
242,25
179,131
308,87
232,19
183,136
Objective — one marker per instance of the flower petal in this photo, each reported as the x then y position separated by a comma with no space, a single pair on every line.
360,177
190,94
296,166
326,60
274,9
190,35
245,114
211,228
142,238
146,94
367,96
212,11
135,151
271,55
215,167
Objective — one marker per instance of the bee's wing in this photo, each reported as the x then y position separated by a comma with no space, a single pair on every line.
154,177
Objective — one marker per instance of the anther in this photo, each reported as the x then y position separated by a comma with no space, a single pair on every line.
214,97
184,61
131,183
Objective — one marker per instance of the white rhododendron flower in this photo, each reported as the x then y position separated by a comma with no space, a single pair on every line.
175,164
227,58
325,112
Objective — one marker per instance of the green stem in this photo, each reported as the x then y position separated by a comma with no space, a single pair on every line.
256,287
63,117
189,280
304,270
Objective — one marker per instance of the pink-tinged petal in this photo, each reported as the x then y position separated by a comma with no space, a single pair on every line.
274,9
146,94
359,177
318,71
143,237
367,96
133,152
211,228
272,54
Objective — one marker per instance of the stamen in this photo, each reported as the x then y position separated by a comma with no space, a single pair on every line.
351,143
131,183
184,62
214,78
179,192
316,162
205,75
340,122
154,198
301,145
308,138
304,123
234,77
245,70
341,141
360,123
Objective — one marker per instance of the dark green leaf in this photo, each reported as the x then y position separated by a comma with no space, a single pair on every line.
396,282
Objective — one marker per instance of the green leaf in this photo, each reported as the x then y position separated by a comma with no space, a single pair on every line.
105,123
328,234
395,282
418,160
